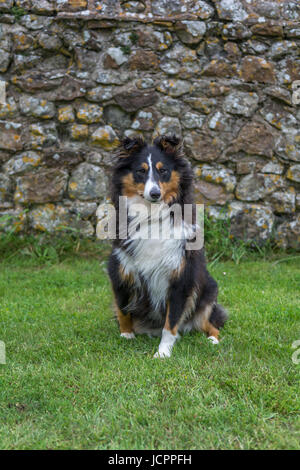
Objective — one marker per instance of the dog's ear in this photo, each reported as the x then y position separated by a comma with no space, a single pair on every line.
129,146
169,144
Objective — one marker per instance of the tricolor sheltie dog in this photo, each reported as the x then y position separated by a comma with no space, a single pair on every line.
160,287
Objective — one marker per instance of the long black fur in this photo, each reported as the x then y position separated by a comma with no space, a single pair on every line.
135,299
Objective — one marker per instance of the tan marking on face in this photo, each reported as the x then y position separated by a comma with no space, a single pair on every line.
130,187
159,165
145,166
170,189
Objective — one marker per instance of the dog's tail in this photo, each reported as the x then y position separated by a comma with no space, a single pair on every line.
218,316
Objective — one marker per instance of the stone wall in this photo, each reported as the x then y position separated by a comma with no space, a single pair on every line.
220,73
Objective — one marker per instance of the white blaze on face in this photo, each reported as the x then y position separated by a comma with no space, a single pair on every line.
150,183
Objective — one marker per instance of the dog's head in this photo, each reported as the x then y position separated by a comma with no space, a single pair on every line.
156,172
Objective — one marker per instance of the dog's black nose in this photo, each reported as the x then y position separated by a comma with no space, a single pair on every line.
155,193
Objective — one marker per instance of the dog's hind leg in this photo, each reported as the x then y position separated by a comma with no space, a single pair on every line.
210,316
216,320
211,331
201,322
125,323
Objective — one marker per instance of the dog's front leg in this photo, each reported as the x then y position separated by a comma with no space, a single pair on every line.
170,331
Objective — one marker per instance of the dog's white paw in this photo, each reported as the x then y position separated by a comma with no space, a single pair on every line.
128,335
162,354
213,340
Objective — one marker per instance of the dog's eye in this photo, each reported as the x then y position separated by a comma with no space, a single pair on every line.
163,171
141,171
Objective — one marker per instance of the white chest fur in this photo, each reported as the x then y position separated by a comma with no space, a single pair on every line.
151,255
155,261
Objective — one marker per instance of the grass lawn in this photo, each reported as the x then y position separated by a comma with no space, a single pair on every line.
71,382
